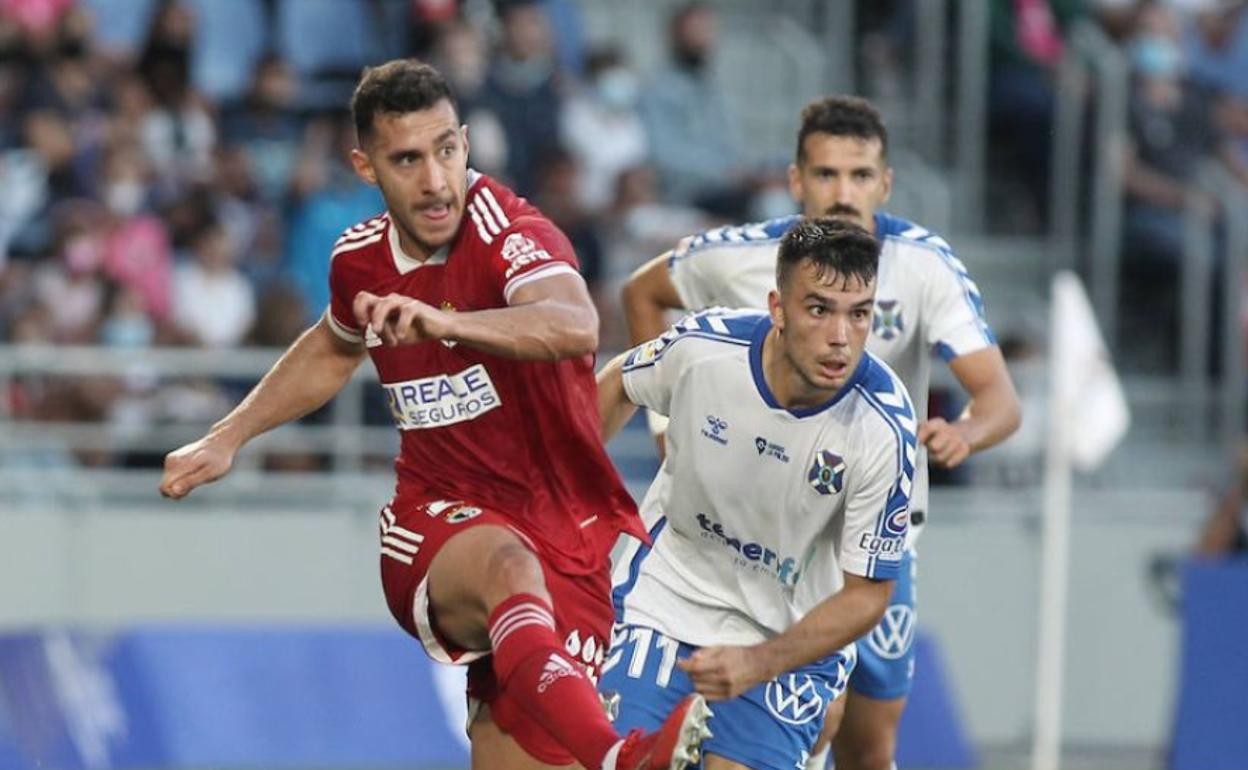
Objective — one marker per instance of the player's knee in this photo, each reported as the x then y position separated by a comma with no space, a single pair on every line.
510,569
863,751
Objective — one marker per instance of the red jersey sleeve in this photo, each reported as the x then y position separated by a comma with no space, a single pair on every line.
338,314
532,249
344,282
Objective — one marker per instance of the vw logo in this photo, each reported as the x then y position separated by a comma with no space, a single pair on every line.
794,699
892,637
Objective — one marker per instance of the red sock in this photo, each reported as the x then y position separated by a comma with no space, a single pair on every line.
533,668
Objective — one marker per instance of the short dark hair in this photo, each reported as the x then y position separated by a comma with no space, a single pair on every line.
841,116
834,245
398,86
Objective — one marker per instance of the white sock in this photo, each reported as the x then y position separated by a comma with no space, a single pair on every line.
819,760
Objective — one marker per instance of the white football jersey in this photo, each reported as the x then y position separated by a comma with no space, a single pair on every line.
925,299
757,509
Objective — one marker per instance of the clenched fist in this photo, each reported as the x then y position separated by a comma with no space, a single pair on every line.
721,673
946,445
401,320
197,463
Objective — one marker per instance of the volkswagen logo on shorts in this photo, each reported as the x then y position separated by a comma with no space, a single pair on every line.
894,634
794,698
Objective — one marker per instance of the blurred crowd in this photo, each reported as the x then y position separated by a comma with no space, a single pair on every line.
175,171
1187,110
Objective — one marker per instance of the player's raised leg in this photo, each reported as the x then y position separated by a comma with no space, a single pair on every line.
487,591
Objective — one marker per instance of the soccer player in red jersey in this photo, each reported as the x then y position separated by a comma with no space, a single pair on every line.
496,546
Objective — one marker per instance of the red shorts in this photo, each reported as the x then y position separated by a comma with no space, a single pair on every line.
413,529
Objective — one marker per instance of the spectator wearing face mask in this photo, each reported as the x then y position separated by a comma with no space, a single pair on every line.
1172,132
601,127
693,139
1216,50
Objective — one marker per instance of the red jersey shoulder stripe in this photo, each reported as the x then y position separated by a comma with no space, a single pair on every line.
363,230
351,241
486,214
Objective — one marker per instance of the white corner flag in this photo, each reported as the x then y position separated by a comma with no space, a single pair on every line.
1088,416
1083,377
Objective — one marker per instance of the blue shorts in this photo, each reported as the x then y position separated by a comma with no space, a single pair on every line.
772,726
886,655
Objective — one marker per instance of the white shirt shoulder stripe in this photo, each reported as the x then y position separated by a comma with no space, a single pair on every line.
486,215
488,196
477,220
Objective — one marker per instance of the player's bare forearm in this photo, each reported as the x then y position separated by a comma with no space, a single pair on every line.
614,408
833,623
309,374
646,298
994,411
545,330
547,320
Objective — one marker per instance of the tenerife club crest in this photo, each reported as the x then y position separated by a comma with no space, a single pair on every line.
827,473
887,322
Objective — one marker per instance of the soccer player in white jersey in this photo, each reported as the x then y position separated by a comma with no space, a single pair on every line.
779,516
925,302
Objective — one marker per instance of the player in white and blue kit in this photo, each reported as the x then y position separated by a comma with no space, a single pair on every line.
925,302
778,518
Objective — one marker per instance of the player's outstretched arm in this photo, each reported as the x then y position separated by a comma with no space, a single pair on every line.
991,416
307,375
720,673
547,320
646,297
614,406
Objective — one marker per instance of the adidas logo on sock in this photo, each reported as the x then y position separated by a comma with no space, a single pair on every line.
556,668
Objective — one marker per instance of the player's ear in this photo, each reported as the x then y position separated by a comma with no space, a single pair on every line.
463,136
363,166
795,182
888,184
775,309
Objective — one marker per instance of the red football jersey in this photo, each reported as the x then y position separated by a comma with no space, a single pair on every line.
522,437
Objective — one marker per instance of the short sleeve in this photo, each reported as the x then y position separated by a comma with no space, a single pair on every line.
531,250
877,511
650,373
953,308
339,314
652,369
692,273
